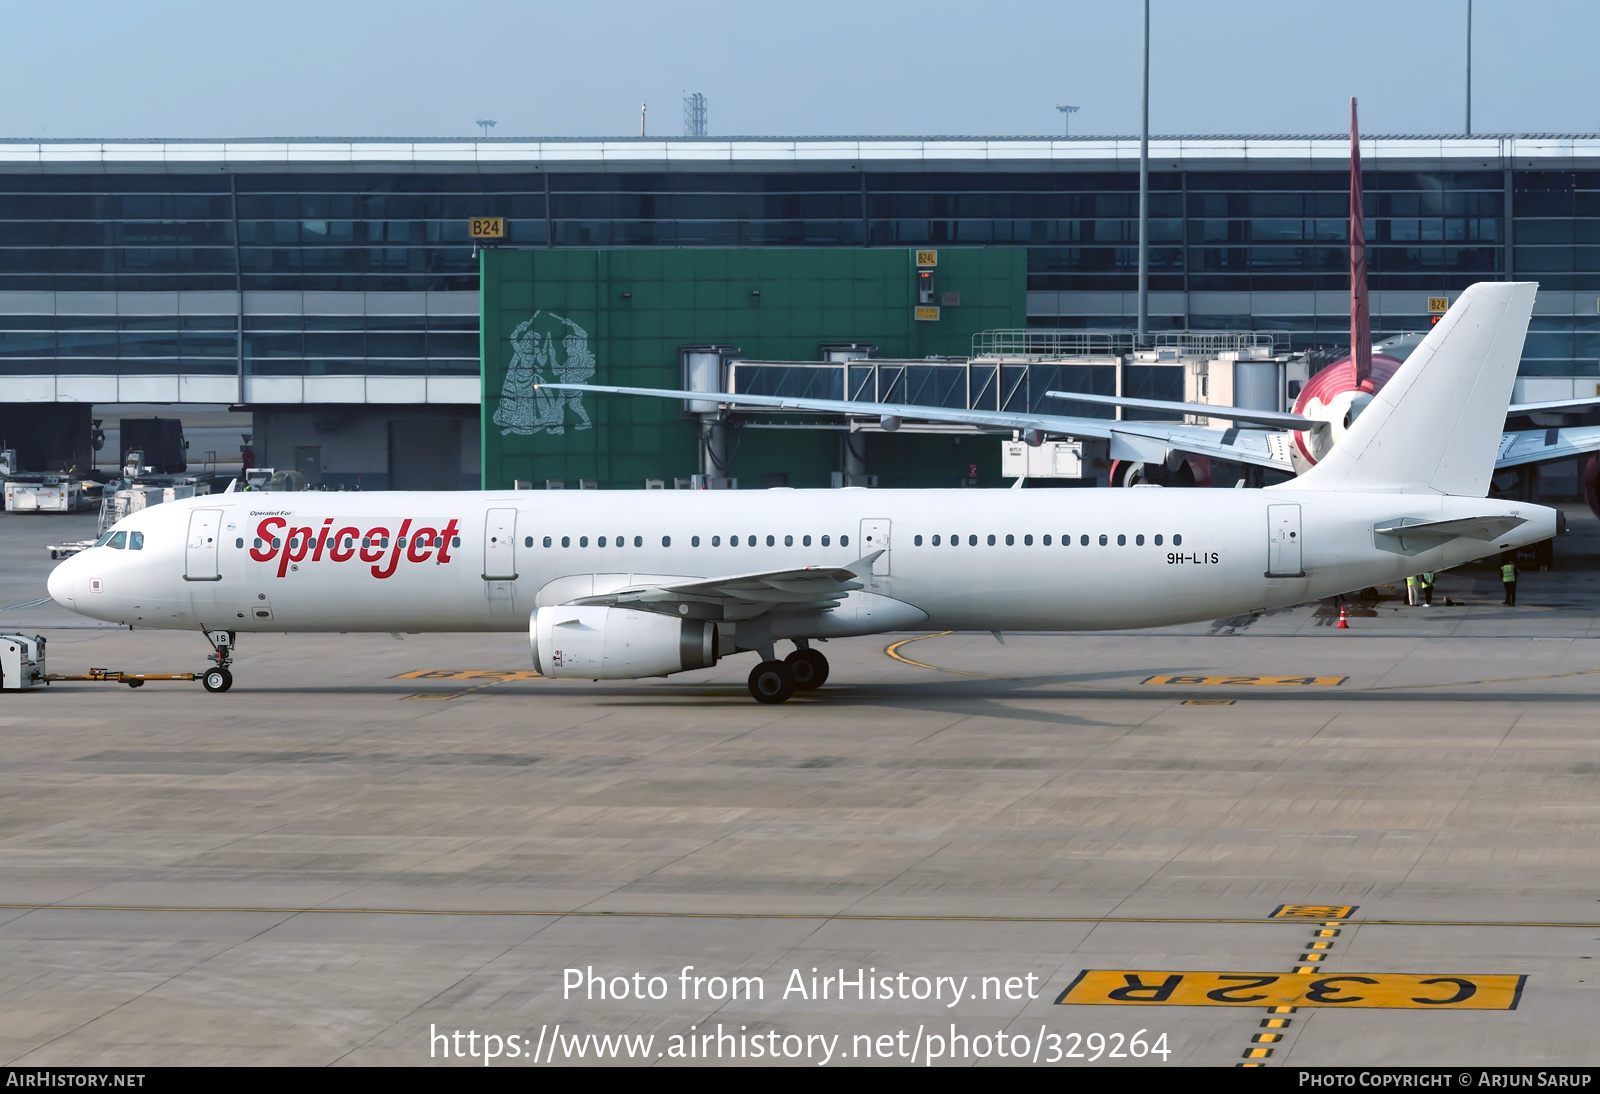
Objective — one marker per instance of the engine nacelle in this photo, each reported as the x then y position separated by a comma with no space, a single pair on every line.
597,643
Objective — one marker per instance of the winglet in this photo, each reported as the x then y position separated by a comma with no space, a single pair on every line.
862,567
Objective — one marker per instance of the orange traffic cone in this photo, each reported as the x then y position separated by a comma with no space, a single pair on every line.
1343,626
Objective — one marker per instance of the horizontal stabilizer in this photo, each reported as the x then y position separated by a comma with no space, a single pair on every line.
1234,413
1483,528
1556,404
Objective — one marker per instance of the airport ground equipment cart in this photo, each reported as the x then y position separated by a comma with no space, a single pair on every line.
21,661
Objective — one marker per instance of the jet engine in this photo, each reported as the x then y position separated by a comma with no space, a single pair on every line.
598,643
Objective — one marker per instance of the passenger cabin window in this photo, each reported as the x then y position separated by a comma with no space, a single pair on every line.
991,539
916,541
566,541
972,541
583,541
638,541
1177,541
666,541
1027,541
1103,541
824,541
601,542
694,541
788,541
771,541
844,541
716,541
1083,541
1158,541
1047,541
1138,541
1122,541
936,541
547,541
805,541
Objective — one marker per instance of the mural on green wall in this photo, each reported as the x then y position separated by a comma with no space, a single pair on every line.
545,348
624,317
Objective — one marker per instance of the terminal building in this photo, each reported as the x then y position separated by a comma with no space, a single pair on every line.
333,289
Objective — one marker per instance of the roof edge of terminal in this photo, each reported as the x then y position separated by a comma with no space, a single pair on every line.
818,139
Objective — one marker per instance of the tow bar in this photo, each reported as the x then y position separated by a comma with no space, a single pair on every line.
22,666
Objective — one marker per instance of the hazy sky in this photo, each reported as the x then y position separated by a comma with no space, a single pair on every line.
404,68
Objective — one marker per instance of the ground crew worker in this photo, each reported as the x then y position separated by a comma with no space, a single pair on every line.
1427,589
1412,588
1508,576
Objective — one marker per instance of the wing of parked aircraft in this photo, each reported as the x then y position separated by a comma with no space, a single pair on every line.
1141,441
747,595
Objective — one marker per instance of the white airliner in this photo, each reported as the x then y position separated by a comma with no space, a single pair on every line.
617,585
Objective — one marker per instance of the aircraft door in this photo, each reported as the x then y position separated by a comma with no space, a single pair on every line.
1283,541
500,561
200,556
875,537
500,545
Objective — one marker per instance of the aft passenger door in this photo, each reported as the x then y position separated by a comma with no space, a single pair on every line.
875,537
200,555
1283,541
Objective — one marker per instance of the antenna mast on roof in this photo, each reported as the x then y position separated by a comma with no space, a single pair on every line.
694,115
642,107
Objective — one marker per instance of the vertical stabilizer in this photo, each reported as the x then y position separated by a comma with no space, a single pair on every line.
1360,318
1435,427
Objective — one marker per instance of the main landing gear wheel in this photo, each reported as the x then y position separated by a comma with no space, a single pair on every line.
771,682
809,669
216,680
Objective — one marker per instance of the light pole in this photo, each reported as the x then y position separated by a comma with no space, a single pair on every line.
1144,188
1469,68
1066,116
487,124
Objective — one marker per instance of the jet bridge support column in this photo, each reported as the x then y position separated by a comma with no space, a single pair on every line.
854,458
714,454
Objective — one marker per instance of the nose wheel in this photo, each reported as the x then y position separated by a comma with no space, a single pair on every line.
219,678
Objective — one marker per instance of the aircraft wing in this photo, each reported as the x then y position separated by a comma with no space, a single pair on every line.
1233,413
1527,446
1558,404
1145,442
750,594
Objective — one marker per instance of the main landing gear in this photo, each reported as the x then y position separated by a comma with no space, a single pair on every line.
775,681
219,678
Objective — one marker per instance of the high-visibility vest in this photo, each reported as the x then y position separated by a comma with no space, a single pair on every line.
1427,578
1508,572
1413,581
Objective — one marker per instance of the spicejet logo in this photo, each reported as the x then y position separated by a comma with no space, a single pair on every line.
292,545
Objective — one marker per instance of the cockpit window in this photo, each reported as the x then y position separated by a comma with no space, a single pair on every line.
119,540
135,541
105,539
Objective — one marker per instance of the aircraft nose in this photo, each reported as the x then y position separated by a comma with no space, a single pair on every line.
59,585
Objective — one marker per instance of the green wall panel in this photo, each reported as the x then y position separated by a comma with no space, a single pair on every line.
623,316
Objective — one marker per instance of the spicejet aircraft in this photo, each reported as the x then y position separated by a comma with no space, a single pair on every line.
620,586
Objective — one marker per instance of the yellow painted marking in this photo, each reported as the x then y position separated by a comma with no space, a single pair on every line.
438,695
1208,702
1248,681
1352,990
1257,1053
1312,956
893,651
1326,932
470,674
1313,911
1321,945
1275,1023
1252,1065
1267,1038
1280,1010
1305,970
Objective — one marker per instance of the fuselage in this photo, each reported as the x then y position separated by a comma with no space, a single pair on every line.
952,559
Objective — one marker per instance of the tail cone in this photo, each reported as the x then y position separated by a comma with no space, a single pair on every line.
1343,626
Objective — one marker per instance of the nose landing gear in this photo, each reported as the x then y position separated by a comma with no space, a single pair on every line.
219,678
